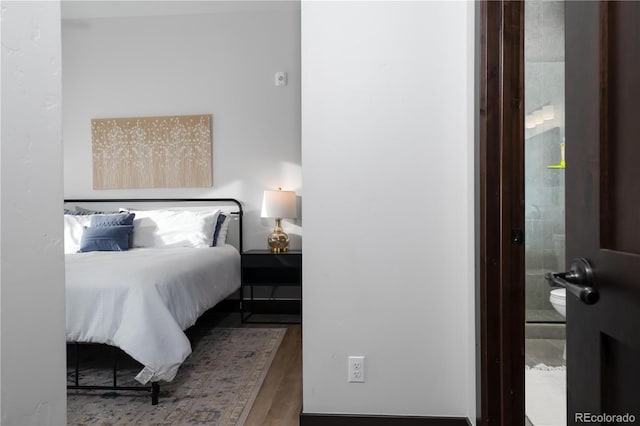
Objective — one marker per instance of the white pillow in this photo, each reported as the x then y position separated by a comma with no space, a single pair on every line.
73,229
173,228
224,229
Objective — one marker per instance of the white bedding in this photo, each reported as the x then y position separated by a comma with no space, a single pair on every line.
141,300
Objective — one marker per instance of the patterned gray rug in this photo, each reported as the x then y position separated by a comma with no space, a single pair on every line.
216,385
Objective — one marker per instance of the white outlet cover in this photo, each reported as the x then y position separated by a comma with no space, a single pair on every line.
281,78
356,367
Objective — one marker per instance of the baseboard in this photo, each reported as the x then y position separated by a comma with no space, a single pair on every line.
309,419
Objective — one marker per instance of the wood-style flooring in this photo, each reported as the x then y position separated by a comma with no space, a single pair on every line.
279,401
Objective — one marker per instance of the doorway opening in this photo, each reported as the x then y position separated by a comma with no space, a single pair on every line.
544,221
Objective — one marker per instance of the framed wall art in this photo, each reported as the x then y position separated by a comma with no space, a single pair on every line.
152,152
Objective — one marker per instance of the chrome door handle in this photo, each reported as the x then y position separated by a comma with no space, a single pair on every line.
578,281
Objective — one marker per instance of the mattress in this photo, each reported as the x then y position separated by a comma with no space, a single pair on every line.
142,300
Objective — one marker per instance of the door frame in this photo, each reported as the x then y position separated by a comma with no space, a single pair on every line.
500,210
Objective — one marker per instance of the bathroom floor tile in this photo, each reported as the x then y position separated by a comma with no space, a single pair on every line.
544,351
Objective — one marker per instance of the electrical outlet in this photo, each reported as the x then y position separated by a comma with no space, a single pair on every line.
356,369
281,78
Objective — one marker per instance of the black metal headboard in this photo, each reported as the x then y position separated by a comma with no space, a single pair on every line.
195,201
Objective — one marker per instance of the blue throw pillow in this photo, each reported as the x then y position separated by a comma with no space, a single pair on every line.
72,212
99,221
219,223
82,210
111,238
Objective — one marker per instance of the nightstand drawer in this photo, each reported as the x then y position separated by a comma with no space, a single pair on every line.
271,276
278,260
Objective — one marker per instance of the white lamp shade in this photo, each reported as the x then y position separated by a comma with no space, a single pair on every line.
279,204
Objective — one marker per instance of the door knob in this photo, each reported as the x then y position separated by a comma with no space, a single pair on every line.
578,281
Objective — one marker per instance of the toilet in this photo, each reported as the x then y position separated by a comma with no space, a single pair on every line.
558,296
558,299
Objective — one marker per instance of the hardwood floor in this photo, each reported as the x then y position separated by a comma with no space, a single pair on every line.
279,401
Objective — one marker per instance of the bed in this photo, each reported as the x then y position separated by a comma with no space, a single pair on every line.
143,298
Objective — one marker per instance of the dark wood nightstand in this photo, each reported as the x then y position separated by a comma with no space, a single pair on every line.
261,268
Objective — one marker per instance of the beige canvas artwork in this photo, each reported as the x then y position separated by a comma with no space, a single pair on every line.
152,152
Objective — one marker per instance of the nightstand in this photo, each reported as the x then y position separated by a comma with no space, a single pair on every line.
262,268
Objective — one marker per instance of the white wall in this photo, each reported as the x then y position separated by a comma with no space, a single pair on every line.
216,58
32,319
388,174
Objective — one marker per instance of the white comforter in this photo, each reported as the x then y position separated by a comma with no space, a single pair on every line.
141,300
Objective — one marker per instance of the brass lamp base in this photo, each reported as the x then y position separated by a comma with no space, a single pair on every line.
278,240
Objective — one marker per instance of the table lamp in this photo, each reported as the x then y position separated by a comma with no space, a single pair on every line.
279,205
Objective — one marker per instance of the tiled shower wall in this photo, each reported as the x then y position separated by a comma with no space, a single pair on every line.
544,187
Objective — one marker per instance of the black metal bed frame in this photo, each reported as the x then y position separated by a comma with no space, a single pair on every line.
153,387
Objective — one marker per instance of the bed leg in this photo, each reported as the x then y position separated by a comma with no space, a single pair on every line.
241,304
76,348
155,391
115,367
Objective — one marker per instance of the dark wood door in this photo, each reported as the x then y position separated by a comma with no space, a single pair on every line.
603,207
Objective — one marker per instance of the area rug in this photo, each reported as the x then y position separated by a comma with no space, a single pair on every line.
546,395
216,385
